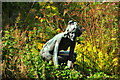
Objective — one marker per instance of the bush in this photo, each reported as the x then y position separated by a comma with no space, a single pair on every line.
97,47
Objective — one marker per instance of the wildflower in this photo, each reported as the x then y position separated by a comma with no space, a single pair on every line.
115,59
51,2
34,28
54,8
48,7
29,32
36,17
99,8
42,19
113,4
58,30
39,18
39,45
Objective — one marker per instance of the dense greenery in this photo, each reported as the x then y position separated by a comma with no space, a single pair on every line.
27,26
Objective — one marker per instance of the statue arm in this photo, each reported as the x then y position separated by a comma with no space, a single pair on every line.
55,58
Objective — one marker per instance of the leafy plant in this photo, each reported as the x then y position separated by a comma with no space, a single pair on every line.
24,36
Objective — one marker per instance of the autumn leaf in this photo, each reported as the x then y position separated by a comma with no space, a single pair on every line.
65,11
58,30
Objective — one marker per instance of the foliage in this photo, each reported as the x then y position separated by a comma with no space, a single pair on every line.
101,75
23,37
100,48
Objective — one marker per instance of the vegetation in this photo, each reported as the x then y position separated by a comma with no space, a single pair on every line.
27,26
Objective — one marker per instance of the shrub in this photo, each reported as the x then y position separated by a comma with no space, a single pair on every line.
97,48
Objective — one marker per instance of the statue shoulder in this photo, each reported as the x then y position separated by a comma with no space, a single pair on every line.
60,35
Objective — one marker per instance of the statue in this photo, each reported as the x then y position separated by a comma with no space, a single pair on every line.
56,47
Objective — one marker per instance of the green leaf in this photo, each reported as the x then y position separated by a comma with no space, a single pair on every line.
113,39
94,49
116,19
7,32
54,8
47,7
90,70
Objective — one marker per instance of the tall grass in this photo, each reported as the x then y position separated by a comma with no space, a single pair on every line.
98,51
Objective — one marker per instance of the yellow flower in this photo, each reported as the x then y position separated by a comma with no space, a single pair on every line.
40,45
48,7
34,28
36,17
39,18
58,30
30,32
115,59
54,8
42,19
51,2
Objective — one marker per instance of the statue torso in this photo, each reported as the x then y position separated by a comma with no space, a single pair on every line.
64,44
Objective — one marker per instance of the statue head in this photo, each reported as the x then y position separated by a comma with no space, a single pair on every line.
72,31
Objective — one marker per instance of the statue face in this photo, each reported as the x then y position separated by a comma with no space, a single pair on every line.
73,30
